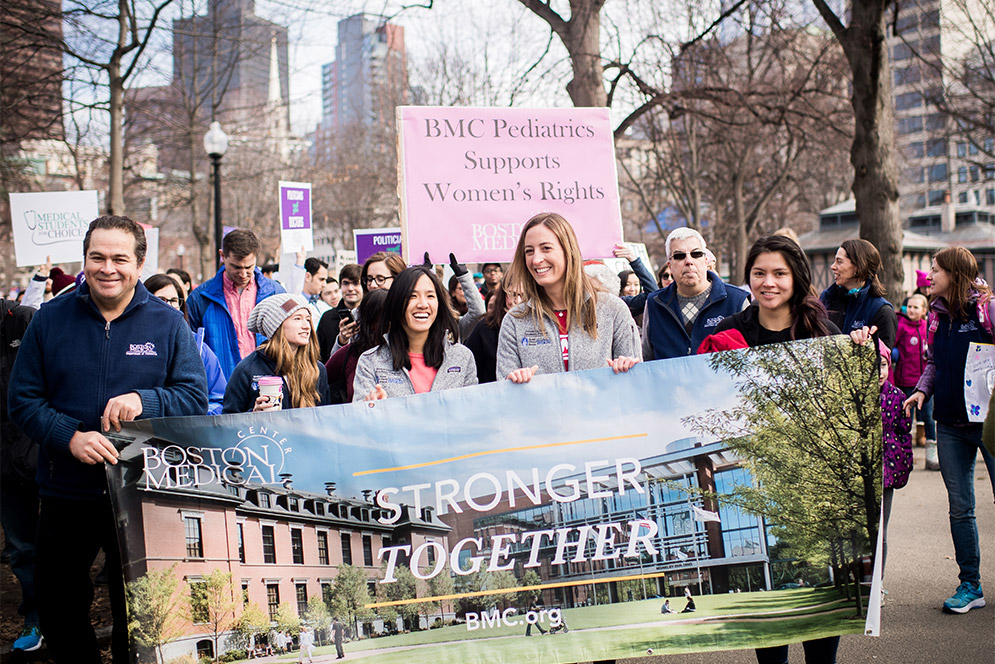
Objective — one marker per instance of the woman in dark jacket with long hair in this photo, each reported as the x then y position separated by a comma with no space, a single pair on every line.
783,309
483,341
341,366
857,298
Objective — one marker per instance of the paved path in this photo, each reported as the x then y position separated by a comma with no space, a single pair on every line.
921,573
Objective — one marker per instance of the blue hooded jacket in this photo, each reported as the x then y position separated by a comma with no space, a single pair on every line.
72,361
664,334
206,308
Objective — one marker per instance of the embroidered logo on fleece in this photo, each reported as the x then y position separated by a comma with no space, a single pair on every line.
712,322
388,377
453,370
147,348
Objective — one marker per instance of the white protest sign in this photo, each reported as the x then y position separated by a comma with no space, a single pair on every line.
979,378
151,252
51,223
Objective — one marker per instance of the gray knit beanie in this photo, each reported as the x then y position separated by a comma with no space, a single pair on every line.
267,316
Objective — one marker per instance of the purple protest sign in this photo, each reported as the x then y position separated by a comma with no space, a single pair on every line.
295,217
371,240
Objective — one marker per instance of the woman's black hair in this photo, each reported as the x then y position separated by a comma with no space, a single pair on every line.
623,278
808,314
371,321
159,281
443,327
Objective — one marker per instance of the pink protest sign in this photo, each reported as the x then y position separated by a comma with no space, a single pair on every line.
469,178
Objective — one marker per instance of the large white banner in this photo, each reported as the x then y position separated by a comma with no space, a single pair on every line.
51,223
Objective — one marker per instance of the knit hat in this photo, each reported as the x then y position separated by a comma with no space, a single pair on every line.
267,316
884,352
61,282
922,279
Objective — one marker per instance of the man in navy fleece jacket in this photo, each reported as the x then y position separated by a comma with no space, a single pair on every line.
105,354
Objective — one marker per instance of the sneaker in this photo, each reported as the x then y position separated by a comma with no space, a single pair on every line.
30,639
932,458
967,597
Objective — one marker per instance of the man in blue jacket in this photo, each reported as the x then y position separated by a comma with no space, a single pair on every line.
679,317
222,304
104,354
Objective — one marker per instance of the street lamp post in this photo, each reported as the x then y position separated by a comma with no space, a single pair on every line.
216,144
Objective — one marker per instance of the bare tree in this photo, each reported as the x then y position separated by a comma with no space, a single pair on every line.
110,36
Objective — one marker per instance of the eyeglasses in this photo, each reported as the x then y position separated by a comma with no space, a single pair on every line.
379,280
172,301
697,254
492,270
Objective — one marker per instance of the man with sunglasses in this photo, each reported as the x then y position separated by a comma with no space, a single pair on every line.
678,317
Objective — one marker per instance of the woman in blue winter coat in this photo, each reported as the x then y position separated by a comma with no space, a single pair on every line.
167,289
963,308
857,298
290,352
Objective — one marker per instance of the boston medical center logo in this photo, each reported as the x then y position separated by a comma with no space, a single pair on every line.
257,457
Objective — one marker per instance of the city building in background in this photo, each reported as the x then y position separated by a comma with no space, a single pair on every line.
946,172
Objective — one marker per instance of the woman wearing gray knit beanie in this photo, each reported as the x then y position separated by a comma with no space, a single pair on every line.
290,352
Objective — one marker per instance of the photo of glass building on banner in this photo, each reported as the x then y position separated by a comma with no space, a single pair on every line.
707,546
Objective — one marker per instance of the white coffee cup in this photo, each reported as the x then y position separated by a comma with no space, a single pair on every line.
272,387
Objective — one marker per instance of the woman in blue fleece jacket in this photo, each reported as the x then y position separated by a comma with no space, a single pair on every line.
290,351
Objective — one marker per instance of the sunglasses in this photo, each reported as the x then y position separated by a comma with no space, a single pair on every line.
681,255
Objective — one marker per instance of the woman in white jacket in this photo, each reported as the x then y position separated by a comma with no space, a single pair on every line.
416,354
566,323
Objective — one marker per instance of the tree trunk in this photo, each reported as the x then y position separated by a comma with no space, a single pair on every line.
875,184
115,198
742,240
583,43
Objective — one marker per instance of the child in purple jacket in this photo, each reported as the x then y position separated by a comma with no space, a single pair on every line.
897,440
910,349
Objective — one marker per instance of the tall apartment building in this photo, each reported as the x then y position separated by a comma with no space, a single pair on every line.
940,162
31,70
368,78
227,59
227,54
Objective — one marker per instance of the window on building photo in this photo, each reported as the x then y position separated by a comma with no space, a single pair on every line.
962,174
301,589
297,545
937,196
368,551
269,545
322,548
195,540
346,548
241,543
273,600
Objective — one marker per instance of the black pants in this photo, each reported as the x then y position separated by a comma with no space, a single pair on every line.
70,534
817,651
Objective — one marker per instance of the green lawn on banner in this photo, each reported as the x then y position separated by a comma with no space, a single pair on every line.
629,629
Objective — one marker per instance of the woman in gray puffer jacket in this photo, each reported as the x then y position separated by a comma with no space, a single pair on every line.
565,323
416,354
